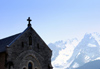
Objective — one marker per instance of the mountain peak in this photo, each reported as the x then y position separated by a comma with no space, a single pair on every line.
72,53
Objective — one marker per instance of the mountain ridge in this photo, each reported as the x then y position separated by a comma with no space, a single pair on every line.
71,54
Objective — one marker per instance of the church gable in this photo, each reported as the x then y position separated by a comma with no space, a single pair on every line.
31,36
29,39
28,46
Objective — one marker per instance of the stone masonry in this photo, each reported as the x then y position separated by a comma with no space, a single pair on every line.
27,51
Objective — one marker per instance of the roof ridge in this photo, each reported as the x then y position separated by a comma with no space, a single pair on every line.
18,36
10,36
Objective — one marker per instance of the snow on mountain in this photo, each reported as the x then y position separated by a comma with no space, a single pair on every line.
89,50
62,51
56,47
72,53
96,36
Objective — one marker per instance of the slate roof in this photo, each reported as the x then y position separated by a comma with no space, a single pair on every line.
6,41
9,40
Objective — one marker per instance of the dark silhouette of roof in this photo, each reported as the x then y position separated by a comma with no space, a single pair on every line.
6,41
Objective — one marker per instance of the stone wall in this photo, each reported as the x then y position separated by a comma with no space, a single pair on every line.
2,60
20,51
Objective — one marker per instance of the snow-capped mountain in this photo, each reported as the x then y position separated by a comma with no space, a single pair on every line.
62,51
87,50
56,47
72,53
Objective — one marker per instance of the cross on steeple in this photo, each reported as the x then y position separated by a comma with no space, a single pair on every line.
29,20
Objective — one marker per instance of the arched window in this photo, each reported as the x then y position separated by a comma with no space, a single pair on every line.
30,40
22,44
30,65
38,46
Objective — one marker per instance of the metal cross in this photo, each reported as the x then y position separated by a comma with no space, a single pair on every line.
29,20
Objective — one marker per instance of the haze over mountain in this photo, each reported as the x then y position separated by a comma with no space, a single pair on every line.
73,53
91,65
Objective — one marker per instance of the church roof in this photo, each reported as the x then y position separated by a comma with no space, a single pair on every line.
6,41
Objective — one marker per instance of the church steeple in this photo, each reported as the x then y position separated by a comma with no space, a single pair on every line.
29,20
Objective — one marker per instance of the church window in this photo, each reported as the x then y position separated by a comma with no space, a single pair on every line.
30,40
38,46
30,65
6,55
22,44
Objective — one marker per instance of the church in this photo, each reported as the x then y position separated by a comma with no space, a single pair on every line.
25,50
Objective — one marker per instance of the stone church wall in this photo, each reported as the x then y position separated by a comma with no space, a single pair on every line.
2,60
20,48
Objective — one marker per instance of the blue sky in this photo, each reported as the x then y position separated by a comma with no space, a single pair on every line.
52,19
